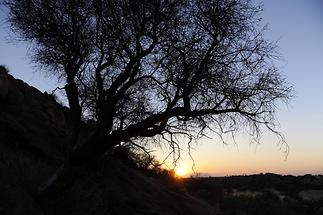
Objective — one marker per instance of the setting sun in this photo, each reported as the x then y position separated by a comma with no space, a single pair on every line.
180,171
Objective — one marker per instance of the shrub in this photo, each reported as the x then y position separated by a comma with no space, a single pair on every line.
4,69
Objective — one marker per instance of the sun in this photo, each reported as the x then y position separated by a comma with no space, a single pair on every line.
180,171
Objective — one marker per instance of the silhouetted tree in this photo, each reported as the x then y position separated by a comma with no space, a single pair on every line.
154,69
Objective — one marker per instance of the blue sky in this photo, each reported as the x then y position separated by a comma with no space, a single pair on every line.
298,25
14,54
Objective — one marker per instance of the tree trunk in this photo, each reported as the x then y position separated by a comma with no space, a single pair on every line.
64,176
73,126
86,156
93,149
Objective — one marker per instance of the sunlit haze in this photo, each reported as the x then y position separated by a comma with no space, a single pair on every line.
181,171
298,27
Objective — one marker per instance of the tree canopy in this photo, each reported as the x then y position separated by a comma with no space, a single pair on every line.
153,70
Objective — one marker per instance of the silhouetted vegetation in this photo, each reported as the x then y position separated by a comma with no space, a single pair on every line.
148,165
4,69
154,71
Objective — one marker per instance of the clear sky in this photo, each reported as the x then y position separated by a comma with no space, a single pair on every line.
298,25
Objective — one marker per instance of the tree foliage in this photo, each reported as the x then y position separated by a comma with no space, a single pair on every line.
157,70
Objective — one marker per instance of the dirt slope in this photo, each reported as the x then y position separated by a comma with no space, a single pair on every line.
32,130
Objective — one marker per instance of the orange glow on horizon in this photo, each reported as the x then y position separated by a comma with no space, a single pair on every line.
181,172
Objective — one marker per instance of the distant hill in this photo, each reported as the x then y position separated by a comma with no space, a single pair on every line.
261,194
32,132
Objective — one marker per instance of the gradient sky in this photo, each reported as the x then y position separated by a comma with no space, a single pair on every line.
298,25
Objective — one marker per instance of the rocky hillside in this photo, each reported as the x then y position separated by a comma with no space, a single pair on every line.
32,131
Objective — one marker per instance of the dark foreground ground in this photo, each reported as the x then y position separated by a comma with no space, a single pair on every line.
261,194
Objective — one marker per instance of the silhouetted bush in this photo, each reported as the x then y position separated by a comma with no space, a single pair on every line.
4,69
